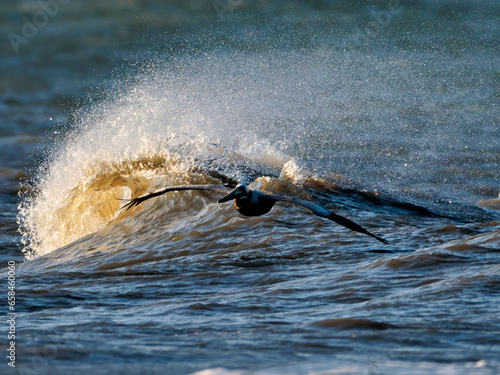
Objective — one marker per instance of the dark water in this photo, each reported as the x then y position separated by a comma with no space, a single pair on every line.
385,112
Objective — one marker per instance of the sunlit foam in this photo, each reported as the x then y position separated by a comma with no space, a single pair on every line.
174,118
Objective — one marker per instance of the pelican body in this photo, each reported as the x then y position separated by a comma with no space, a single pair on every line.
250,202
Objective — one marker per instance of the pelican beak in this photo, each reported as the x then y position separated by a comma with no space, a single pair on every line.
232,195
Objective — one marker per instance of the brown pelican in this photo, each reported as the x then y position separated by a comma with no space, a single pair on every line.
250,202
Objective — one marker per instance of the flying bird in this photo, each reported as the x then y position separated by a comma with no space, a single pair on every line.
250,202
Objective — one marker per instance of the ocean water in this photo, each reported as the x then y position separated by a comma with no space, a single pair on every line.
383,112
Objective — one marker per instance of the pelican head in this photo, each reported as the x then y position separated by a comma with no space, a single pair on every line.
240,192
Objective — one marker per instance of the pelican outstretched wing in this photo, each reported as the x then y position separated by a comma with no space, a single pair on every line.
323,212
136,201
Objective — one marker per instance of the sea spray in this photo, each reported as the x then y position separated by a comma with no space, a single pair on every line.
168,123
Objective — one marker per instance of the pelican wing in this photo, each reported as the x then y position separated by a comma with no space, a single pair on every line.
136,201
323,212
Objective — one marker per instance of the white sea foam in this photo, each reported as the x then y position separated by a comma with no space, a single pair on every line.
184,111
